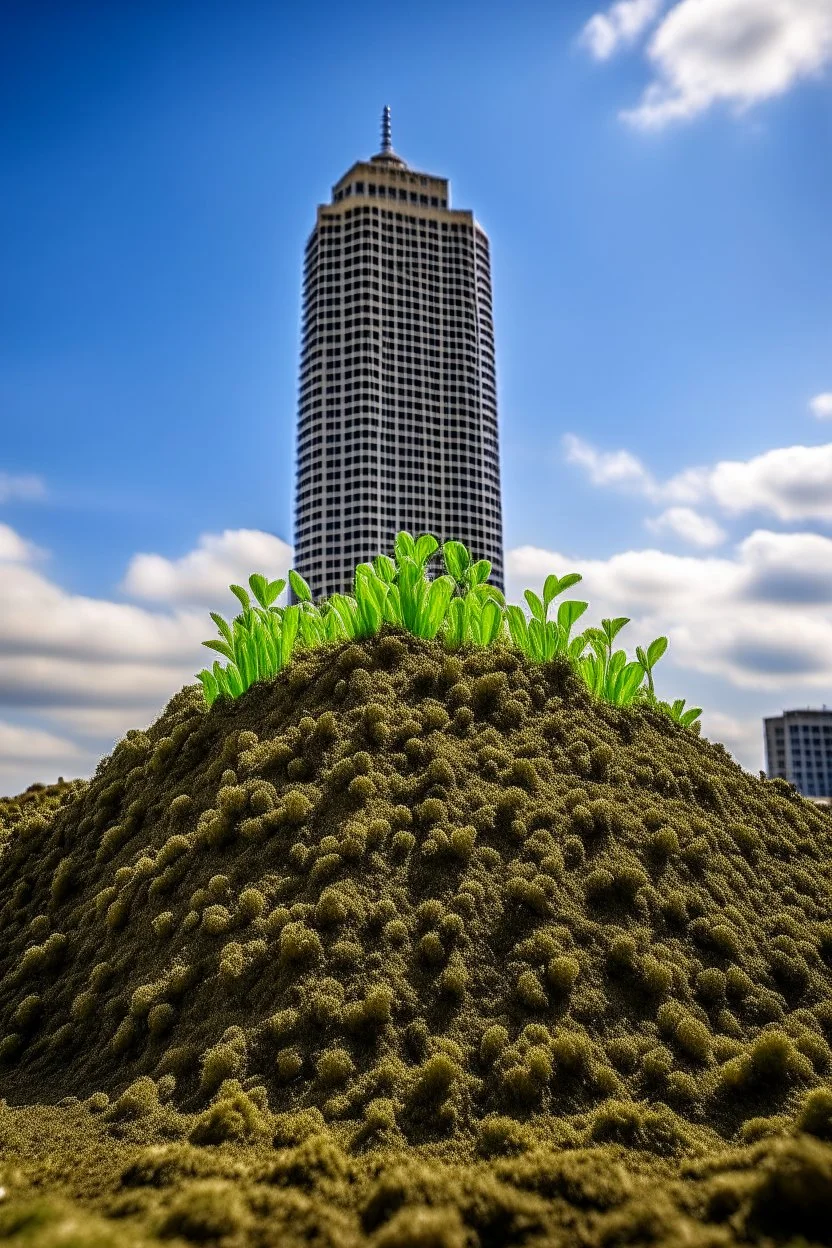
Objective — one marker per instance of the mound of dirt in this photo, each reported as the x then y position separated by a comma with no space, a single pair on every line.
421,897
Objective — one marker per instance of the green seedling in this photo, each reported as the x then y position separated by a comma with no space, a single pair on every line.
541,639
458,607
676,712
607,672
649,659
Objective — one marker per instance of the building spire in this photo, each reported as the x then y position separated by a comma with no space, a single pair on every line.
386,135
387,158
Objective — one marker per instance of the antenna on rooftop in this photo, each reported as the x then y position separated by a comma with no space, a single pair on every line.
386,135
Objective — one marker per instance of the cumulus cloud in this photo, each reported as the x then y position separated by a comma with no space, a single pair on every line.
622,23
218,560
14,549
96,667
794,483
788,568
705,51
821,406
688,524
709,607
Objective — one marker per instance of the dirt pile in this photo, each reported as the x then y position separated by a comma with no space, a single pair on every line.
397,899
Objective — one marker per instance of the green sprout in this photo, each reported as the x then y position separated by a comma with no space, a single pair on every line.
458,607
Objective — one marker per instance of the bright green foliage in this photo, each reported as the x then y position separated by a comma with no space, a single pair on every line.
607,672
458,607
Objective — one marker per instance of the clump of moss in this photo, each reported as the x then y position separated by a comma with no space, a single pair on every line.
453,890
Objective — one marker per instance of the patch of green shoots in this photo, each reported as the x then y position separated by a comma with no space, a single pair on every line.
458,608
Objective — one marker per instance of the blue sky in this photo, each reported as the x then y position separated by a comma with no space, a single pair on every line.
655,182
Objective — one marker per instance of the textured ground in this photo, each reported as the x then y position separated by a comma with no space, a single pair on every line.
419,948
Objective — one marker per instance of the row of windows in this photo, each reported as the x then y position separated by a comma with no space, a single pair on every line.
389,192
409,336
453,327
424,377
334,276
308,548
389,505
425,222
358,538
474,534
407,332
332,225
311,559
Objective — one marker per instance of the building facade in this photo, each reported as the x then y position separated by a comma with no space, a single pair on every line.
799,748
397,411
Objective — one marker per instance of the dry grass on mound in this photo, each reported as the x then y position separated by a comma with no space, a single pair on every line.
422,901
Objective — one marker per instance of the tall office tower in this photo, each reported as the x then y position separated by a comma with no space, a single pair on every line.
799,748
397,421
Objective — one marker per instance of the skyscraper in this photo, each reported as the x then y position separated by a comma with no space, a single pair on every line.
799,748
397,419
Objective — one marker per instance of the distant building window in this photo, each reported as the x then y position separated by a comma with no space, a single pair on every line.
359,188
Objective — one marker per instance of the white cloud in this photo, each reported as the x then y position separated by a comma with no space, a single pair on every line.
31,747
788,568
98,668
689,525
742,737
622,23
608,467
736,51
821,406
725,617
794,483
14,549
220,560
27,489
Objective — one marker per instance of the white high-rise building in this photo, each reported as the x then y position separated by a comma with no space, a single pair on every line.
397,421
799,748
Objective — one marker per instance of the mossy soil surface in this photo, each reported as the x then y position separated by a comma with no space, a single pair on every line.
413,948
